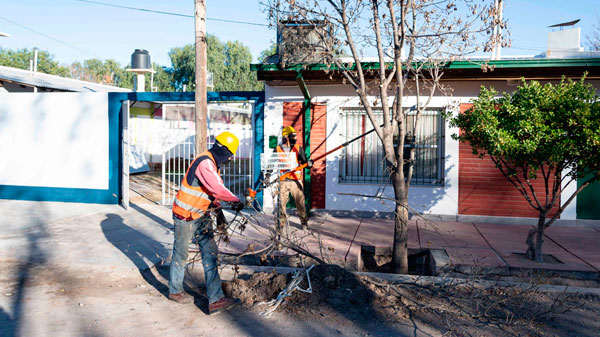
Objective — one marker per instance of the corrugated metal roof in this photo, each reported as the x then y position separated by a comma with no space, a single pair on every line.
42,80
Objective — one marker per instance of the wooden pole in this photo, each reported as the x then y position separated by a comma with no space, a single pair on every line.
200,90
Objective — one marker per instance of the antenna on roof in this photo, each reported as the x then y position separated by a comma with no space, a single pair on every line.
565,24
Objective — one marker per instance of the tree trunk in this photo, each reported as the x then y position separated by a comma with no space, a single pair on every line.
534,248
400,247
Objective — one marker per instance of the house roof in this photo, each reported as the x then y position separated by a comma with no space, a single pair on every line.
532,68
41,80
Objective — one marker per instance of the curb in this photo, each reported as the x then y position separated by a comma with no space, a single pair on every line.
232,272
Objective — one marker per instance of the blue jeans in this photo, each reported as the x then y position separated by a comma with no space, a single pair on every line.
184,230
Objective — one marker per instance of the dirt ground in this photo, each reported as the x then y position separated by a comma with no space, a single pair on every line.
80,301
460,310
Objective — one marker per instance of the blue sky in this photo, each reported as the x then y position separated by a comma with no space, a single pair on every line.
93,30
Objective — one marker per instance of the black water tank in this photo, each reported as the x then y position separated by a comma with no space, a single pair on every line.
140,59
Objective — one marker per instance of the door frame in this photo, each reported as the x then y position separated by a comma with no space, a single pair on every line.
115,104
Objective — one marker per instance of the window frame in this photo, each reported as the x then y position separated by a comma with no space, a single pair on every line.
417,180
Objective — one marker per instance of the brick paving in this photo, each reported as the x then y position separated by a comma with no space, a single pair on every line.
494,246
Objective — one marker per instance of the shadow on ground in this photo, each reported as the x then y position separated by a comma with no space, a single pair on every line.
31,269
138,247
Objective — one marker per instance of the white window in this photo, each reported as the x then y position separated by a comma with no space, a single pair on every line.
364,162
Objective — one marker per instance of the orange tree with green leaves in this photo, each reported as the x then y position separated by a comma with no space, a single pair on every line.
549,132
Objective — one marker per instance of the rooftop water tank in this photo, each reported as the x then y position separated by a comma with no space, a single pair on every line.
140,59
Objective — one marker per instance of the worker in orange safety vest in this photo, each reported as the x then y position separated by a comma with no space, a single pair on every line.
201,192
292,182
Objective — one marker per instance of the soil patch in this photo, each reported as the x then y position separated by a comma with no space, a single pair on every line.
464,309
260,287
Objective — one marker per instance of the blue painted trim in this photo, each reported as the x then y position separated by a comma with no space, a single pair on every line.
34,193
259,144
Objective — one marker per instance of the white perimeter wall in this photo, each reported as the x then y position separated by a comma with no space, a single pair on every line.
54,140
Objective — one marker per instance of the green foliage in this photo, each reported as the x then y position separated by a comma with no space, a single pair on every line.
272,50
20,59
107,72
229,64
237,74
553,125
162,79
183,65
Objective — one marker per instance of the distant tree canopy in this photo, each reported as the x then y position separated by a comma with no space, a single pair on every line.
228,62
107,72
20,59
272,50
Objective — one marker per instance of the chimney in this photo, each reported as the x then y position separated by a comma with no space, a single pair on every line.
564,43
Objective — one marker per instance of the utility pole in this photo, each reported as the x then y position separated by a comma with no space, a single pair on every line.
497,32
200,91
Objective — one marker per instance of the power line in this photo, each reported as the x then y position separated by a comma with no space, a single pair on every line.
50,37
171,13
525,48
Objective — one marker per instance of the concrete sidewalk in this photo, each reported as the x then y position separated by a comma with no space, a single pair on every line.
94,235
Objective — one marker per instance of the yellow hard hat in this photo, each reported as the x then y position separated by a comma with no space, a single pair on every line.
229,140
287,130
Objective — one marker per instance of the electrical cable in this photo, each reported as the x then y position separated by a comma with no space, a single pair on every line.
524,48
171,13
50,37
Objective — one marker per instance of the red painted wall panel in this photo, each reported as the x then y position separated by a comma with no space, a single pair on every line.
483,190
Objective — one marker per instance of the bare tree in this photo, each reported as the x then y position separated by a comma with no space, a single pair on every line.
593,40
413,42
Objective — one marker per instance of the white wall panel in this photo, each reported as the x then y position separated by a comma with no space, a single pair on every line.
54,140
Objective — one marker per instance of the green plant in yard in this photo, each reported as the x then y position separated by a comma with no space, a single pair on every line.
549,132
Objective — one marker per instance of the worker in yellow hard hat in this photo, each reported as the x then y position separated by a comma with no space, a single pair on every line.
292,183
201,191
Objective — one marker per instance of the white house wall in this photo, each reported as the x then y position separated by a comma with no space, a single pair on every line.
54,140
441,200
426,199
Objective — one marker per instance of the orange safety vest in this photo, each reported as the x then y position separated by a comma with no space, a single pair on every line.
192,200
296,175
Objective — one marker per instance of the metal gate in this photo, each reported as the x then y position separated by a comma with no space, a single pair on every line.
179,144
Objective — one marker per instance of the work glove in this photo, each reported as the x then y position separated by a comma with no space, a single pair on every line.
237,206
309,164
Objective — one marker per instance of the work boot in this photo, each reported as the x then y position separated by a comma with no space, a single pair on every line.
223,304
304,222
182,298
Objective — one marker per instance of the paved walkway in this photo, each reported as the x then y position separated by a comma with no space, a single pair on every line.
469,245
